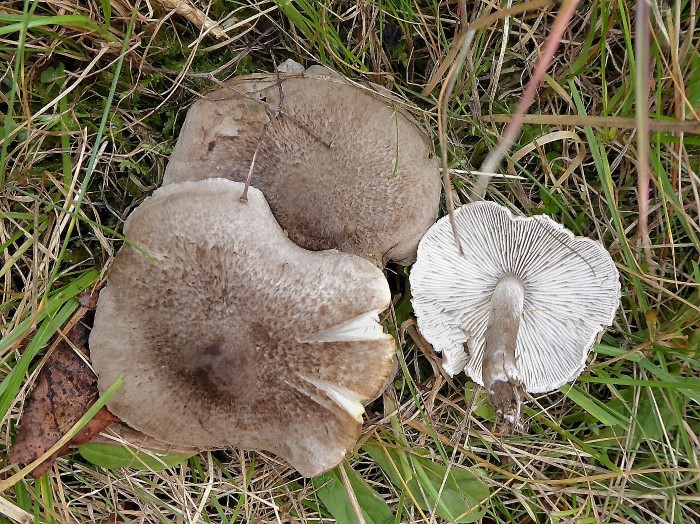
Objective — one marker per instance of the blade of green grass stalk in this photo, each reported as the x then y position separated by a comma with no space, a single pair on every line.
428,488
600,457
612,351
459,491
595,407
453,494
17,255
45,493
75,213
93,157
196,469
677,407
14,238
692,89
669,196
56,300
25,22
331,490
628,88
221,512
547,196
309,19
625,381
21,216
244,488
316,506
605,11
399,511
199,476
8,124
97,406
113,456
583,56
13,381
604,173
24,500
396,467
106,11
303,24
66,160
398,432
665,377
652,419
147,490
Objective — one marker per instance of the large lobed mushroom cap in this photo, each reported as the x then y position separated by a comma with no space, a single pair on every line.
571,291
228,334
341,166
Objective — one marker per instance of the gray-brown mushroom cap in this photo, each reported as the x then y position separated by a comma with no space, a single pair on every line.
341,166
228,334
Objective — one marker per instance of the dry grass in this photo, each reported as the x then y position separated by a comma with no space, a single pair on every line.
93,103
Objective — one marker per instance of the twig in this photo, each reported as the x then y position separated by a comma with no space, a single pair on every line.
641,51
278,111
249,177
455,60
443,99
351,493
194,15
561,22
691,127
272,107
14,513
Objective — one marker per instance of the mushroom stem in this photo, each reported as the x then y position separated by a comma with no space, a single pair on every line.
499,369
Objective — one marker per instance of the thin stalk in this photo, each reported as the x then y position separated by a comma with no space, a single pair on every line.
499,368
641,52
561,23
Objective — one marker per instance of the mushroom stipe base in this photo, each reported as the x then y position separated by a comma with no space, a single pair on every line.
500,369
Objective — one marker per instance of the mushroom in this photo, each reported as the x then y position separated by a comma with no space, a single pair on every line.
227,334
341,166
521,307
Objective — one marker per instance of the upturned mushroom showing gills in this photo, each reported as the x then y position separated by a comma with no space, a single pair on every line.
341,166
227,334
520,308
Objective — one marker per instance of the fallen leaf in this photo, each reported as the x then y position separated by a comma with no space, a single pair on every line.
88,299
65,389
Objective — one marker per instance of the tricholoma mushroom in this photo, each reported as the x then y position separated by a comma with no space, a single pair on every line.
520,308
228,334
341,166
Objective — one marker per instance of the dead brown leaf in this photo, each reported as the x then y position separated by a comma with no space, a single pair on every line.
65,389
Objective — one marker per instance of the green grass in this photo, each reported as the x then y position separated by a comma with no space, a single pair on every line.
92,100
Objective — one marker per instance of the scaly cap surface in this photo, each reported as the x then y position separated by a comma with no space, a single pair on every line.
228,334
341,166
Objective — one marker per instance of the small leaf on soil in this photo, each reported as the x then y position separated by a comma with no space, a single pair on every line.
65,389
